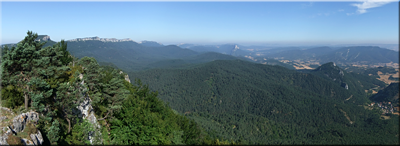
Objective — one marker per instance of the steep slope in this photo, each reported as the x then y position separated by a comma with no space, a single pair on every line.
388,94
72,97
263,104
355,83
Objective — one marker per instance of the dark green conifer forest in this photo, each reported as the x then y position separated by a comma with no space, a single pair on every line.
51,82
262,104
226,101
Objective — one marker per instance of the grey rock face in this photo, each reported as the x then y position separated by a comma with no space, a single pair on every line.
19,124
4,137
126,77
3,118
45,38
27,141
37,138
100,39
20,121
344,85
341,73
85,110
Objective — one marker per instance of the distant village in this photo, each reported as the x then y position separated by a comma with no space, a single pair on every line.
386,107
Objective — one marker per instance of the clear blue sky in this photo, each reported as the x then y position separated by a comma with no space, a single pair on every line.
205,22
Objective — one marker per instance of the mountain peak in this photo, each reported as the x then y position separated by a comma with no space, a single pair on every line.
333,72
43,38
100,39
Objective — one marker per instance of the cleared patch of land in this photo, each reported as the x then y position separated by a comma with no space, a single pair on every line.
368,107
349,97
385,77
347,117
385,117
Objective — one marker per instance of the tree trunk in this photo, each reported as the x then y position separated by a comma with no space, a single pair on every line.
104,116
69,124
26,99
28,96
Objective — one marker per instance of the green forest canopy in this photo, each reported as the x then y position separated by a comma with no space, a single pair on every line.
47,80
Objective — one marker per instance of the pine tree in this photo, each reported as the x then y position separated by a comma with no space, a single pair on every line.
54,132
19,62
66,58
113,92
68,98
91,76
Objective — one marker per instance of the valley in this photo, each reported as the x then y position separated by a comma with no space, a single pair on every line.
261,99
201,72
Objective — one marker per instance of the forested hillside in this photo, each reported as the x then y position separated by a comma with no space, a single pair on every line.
301,54
64,89
389,94
188,98
263,104
127,55
357,83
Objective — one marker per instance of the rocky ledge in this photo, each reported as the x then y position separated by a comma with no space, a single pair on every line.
22,124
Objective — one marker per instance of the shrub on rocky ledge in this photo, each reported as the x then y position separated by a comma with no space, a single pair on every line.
14,140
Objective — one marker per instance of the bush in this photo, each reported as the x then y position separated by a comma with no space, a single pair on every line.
13,140
30,128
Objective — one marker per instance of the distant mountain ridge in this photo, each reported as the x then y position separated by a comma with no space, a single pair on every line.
143,53
100,39
151,44
297,53
127,55
362,54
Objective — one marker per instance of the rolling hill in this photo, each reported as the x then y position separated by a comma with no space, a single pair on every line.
132,56
388,94
127,55
263,104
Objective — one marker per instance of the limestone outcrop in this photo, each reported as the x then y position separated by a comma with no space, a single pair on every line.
85,110
100,39
126,77
18,125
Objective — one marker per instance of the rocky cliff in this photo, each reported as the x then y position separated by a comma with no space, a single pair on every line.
126,77
43,38
86,112
100,39
20,128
